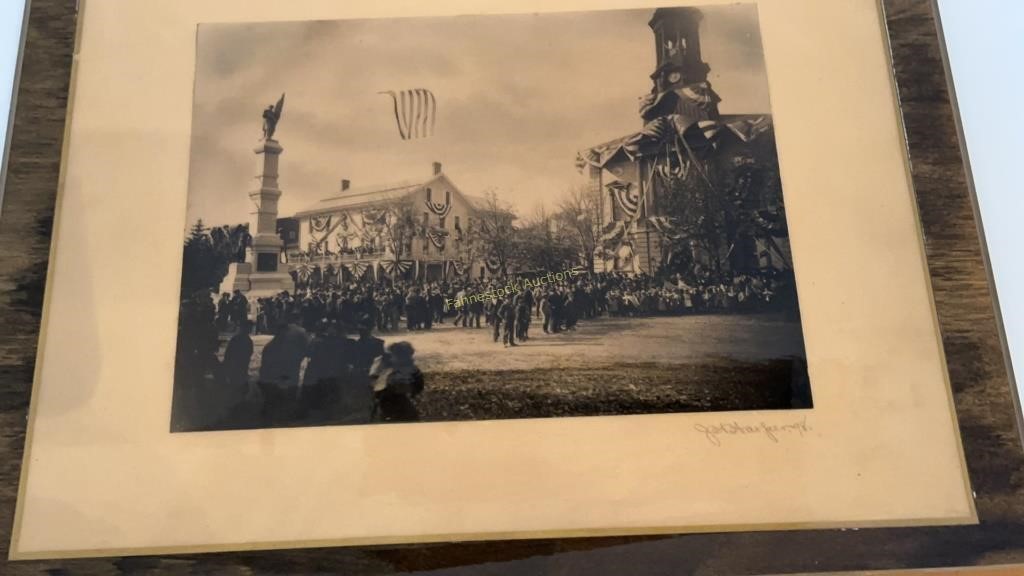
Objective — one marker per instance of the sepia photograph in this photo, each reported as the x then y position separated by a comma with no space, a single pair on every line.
485,217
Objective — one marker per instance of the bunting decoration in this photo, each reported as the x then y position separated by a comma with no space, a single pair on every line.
439,209
492,264
696,101
358,269
458,267
437,236
374,217
665,227
627,195
699,131
670,165
702,137
654,132
415,112
749,129
374,220
319,224
390,266
612,233
341,240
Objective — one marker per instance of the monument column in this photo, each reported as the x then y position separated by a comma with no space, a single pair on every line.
262,274
266,244
268,276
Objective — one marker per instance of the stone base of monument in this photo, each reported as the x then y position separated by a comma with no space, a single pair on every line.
241,276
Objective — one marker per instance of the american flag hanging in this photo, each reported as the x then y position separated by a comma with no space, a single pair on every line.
415,112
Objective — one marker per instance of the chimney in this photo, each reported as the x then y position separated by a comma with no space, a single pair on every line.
344,185
437,168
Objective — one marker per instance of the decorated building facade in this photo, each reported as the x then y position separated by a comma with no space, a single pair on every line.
692,186
422,229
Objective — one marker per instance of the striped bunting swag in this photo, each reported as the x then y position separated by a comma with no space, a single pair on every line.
699,93
701,137
390,266
612,233
664,226
747,130
415,112
493,264
440,209
627,196
358,268
437,236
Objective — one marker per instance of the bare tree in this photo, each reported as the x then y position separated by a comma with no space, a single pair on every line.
469,245
578,215
497,235
544,243
397,227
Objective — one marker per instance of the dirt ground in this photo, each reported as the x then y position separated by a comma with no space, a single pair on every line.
601,342
607,366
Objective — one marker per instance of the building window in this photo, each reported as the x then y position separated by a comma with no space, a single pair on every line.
425,216
442,221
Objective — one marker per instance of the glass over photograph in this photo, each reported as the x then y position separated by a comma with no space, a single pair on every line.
485,217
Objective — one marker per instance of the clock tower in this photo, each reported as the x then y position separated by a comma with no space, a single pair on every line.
677,40
680,67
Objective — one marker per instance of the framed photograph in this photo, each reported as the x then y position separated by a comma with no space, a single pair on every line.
529,274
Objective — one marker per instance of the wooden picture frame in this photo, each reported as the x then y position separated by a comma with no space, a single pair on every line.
966,304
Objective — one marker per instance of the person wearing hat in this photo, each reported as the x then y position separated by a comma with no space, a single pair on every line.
357,393
507,314
237,356
495,316
280,364
413,302
327,373
397,381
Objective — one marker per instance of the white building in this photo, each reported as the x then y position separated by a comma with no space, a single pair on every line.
416,229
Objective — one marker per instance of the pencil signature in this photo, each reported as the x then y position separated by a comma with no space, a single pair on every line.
770,431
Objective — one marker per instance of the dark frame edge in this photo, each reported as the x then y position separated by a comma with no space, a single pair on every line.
986,255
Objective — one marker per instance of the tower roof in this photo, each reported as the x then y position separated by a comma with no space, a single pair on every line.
694,15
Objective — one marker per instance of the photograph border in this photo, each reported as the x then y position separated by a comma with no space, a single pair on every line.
747,364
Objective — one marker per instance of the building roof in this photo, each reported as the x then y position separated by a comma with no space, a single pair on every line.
746,127
364,196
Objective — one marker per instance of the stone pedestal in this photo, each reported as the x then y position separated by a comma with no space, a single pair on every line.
262,273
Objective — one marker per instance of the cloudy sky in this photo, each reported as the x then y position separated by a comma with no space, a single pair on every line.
517,96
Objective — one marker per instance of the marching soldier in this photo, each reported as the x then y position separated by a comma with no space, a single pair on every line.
507,315
494,316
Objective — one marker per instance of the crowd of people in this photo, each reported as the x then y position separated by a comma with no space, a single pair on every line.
306,376
350,377
420,305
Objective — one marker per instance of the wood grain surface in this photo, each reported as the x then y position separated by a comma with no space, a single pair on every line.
963,299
